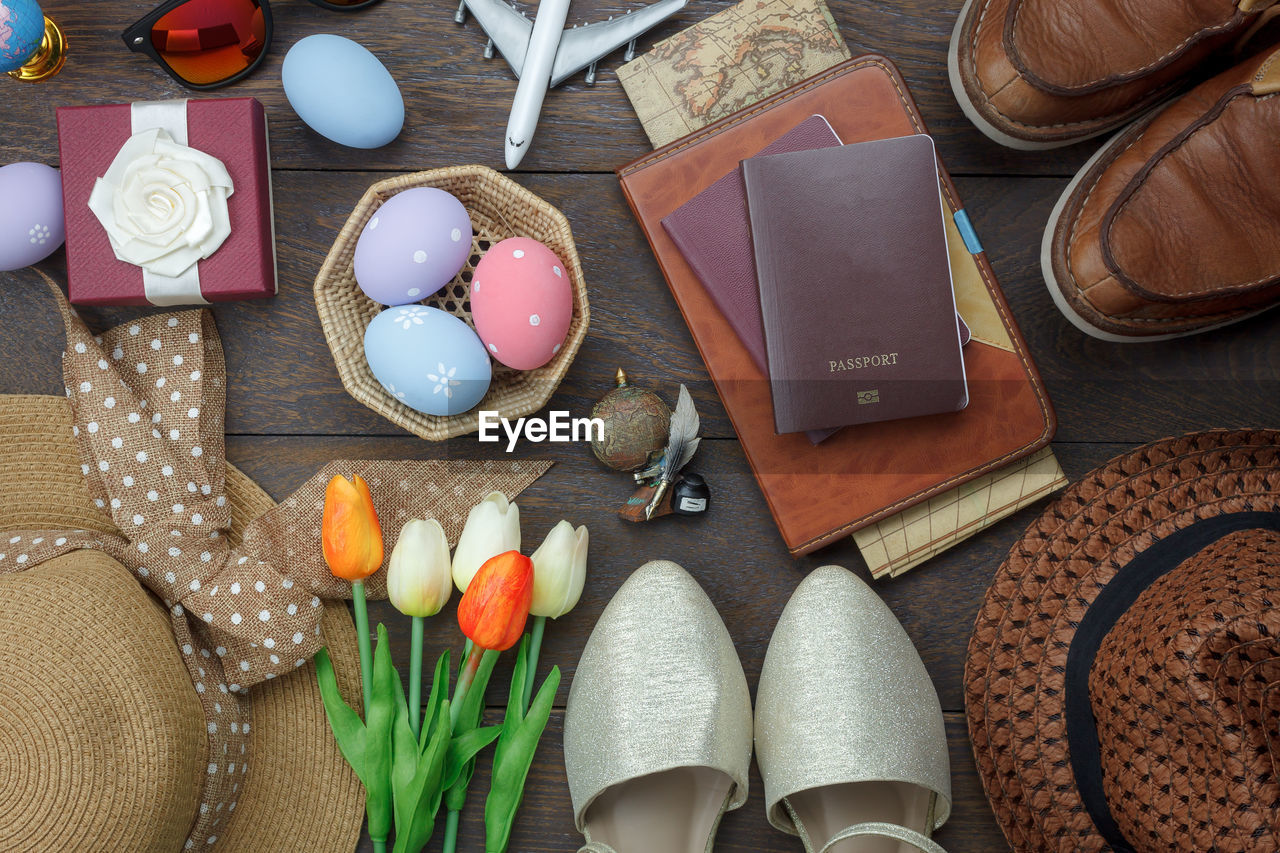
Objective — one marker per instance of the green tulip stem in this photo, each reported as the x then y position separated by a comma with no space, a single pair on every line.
535,646
451,831
465,678
472,656
379,846
366,645
415,677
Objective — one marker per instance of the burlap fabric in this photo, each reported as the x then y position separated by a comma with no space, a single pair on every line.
1123,679
147,402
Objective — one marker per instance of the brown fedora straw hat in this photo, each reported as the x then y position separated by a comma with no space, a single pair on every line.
1122,683
102,736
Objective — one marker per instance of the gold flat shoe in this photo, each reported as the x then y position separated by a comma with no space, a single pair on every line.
849,731
657,732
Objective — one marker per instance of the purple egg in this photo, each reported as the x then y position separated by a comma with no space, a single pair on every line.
415,244
31,224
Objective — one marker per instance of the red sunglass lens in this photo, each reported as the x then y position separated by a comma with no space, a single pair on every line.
208,41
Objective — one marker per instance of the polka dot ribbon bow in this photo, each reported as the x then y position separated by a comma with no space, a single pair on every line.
148,401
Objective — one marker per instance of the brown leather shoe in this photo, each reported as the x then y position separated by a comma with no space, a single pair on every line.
1034,74
1174,226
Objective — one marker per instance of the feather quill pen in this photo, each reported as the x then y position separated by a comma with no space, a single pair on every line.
682,443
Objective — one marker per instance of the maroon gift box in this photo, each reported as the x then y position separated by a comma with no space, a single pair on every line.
232,129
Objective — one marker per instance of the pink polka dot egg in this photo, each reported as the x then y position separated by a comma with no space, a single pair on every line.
521,302
413,245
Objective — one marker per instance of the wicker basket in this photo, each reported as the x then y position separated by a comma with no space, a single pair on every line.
499,208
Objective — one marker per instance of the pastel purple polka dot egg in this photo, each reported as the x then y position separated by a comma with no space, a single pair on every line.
521,302
31,223
413,245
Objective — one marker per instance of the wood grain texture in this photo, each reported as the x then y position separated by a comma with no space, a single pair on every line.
286,382
288,414
734,551
457,103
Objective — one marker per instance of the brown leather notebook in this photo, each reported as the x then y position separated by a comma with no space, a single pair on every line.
869,472
855,284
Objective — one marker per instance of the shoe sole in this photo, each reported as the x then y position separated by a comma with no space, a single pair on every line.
1055,291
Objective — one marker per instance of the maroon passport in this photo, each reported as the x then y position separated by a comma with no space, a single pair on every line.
714,235
855,284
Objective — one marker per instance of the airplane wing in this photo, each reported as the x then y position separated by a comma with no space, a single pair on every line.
581,46
506,28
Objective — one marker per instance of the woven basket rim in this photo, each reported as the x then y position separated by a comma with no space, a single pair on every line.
512,393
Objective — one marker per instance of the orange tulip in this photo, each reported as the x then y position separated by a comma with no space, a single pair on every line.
350,532
496,604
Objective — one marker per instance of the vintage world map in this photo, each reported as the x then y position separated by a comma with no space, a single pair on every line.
729,61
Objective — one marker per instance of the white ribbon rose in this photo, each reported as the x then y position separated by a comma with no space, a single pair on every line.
164,204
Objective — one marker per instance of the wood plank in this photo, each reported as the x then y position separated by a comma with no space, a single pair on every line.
288,414
284,380
734,550
545,821
457,104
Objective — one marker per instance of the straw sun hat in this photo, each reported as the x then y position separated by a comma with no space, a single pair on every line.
158,613
121,729
102,737
1123,678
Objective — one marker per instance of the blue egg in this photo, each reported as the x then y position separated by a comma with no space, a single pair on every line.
343,92
428,359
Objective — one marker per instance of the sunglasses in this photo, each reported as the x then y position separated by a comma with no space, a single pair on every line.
204,44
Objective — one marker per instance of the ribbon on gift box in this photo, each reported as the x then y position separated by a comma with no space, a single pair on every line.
148,401
163,203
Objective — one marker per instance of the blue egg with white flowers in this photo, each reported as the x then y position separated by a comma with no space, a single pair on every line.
343,92
428,359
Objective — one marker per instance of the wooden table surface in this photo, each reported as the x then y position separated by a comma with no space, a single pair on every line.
287,413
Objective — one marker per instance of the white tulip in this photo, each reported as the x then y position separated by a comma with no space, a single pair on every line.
419,581
492,528
559,571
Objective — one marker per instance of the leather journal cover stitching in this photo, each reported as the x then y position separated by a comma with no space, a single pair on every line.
872,471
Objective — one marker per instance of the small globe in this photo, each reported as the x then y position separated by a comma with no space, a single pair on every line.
636,423
21,31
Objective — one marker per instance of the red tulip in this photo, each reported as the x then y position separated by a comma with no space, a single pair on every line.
350,533
496,604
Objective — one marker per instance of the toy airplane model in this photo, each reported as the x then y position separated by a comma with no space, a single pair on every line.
544,54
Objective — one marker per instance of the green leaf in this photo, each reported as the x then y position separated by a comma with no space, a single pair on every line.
468,720
382,712
514,753
473,702
418,791
438,698
404,769
431,774
418,768
463,749
348,729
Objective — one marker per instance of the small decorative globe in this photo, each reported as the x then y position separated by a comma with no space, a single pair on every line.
636,423
21,31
